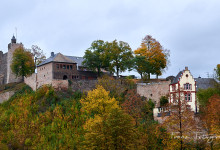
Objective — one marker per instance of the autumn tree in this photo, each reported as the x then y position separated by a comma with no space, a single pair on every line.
120,55
155,55
181,120
211,120
38,54
133,105
108,127
116,87
95,57
22,63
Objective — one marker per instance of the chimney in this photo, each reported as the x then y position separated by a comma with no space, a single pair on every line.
52,54
186,68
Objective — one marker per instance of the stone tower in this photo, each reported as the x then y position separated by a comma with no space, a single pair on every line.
11,48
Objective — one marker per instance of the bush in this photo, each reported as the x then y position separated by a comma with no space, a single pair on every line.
163,101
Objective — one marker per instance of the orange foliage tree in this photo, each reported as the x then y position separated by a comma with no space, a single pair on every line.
211,120
154,54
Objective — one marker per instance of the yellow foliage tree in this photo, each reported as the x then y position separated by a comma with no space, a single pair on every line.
109,127
98,101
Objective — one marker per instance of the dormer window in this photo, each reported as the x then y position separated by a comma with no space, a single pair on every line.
187,86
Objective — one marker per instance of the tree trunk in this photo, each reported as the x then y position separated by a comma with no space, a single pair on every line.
99,71
148,76
117,72
141,76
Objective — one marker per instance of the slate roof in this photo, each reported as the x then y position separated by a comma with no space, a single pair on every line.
204,83
57,58
78,60
177,77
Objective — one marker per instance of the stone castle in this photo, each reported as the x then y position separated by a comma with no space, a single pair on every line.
55,70
6,75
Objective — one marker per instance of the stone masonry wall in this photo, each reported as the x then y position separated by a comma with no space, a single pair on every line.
44,74
31,81
5,96
154,90
3,68
10,75
83,85
60,84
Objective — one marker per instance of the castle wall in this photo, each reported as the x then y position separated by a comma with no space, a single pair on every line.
83,85
60,84
5,96
11,77
3,68
31,81
44,74
153,90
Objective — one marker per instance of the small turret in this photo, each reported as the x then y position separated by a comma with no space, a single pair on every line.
13,40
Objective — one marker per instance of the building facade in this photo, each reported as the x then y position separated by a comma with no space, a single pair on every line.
183,88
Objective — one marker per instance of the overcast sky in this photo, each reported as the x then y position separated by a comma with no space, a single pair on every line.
190,29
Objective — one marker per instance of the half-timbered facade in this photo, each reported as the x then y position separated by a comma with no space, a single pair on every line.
183,88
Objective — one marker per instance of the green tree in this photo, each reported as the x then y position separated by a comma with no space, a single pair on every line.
163,101
141,65
155,55
203,95
217,72
22,63
95,56
120,55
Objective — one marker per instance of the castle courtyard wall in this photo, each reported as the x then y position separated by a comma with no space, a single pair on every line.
31,81
153,91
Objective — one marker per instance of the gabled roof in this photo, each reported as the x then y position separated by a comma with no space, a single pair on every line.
57,58
204,83
78,60
176,79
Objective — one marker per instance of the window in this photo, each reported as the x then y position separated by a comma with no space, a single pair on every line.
64,66
187,86
71,67
58,66
173,87
67,66
187,97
